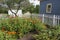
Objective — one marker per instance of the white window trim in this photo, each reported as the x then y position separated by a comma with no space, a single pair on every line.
47,8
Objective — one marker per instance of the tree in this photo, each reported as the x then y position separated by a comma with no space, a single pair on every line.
37,9
25,5
11,5
3,10
29,8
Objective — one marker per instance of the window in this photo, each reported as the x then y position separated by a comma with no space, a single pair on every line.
49,8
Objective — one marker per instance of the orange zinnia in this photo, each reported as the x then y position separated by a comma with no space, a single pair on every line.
9,33
13,32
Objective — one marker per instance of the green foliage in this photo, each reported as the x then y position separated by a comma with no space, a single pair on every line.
3,10
16,23
5,36
31,9
1,35
36,10
49,34
21,26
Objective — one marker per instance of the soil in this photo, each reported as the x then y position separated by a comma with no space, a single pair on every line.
28,37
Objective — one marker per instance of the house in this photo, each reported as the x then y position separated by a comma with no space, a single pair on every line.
50,9
19,13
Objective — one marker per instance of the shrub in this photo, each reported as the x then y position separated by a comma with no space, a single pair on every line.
49,34
21,25
18,27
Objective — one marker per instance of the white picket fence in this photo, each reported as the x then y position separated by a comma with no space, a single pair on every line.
52,20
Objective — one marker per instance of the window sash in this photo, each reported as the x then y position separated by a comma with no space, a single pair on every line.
48,10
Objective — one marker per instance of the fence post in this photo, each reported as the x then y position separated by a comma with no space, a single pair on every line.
43,18
58,20
54,20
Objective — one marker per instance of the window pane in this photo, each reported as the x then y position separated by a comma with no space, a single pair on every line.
48,8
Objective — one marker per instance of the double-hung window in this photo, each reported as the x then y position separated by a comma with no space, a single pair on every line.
49,8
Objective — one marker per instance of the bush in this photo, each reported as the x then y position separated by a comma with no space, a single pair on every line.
21,26
49,34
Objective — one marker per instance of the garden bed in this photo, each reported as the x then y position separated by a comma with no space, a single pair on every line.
27,28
